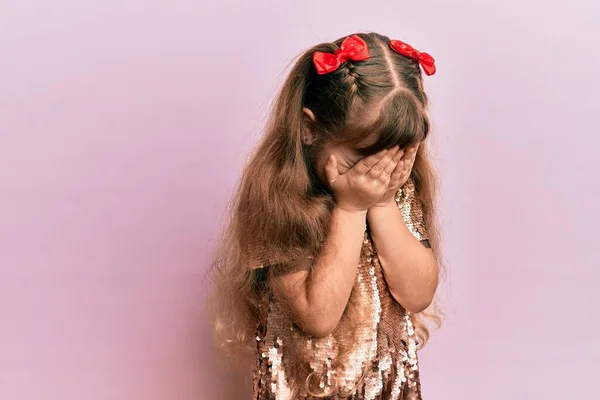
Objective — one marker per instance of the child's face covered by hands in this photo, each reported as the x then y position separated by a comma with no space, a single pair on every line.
381,174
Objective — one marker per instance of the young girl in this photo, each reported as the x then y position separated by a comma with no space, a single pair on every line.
330,255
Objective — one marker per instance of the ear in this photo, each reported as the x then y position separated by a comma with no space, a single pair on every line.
308,125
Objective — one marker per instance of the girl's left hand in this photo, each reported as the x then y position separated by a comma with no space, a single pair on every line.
400,176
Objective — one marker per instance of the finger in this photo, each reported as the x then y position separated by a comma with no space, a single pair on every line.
414,155
398,172
411,161
331,170
379,169
409,165
411,152
400,165
365,165
393,165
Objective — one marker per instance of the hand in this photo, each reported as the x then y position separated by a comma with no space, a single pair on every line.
365,183
399,176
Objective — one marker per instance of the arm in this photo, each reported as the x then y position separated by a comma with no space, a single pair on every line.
317,295
410,268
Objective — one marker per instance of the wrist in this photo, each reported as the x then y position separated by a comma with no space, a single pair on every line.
351,212
388,203
384,209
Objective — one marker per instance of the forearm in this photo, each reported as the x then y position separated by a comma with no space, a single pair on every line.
330,282
317,295
409,267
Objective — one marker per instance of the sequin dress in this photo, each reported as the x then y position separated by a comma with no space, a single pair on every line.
382,363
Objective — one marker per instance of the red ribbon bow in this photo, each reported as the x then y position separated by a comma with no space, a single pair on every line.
352,48
427,62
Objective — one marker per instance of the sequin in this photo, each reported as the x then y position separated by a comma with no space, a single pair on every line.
382,363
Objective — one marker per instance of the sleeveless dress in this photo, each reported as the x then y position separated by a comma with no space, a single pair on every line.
382,363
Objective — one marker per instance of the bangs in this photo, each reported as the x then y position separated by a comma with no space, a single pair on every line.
401,121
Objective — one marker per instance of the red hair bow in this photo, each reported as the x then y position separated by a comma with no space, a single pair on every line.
427,62
352,48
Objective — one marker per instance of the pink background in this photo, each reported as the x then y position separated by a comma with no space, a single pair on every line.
123,128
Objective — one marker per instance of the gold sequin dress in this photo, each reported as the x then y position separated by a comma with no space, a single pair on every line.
382,363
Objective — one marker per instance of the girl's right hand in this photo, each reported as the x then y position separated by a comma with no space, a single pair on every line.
364,184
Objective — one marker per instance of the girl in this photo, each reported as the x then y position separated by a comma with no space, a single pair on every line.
330,255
